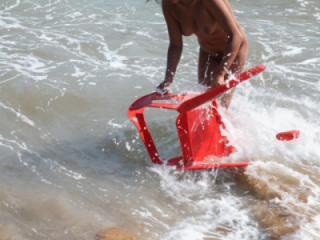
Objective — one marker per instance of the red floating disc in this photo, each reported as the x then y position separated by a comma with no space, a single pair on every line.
288,136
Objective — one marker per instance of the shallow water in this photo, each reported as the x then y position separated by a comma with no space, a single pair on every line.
71,163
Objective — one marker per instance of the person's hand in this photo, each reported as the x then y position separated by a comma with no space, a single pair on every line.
163,86
218,79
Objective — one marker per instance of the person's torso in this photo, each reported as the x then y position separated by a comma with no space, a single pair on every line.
197,19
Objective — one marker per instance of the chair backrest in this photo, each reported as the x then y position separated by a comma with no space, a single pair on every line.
200,135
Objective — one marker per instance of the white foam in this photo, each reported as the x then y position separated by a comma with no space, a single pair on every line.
209,214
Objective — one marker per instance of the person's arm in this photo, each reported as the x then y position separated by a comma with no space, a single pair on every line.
221,11
175,45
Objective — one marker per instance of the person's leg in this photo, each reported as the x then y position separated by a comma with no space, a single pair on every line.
236,68
202,66
207,65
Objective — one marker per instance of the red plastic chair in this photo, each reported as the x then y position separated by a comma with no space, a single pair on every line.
199,128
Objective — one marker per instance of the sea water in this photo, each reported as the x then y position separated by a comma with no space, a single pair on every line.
71,163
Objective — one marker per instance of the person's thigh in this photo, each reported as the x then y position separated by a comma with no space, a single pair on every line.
236,68
208,64
202,65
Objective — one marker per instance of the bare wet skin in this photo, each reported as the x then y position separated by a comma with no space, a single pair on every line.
223,45
193,20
